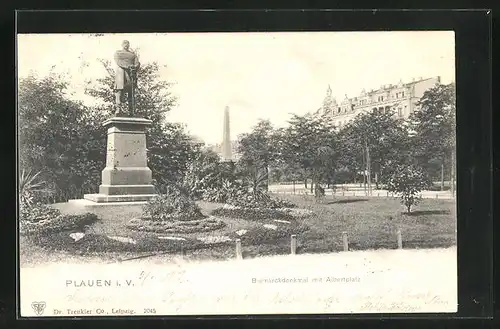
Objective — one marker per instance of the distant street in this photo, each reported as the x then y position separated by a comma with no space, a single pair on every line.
352,190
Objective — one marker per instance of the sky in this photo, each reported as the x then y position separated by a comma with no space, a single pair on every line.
258,75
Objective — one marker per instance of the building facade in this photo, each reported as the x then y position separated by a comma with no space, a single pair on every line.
218,148
401,99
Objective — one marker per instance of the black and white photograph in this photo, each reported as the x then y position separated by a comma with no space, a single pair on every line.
236,173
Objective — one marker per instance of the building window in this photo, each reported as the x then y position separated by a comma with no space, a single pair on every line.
402,94
338,111
400,112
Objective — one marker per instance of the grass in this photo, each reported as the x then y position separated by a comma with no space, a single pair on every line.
370,224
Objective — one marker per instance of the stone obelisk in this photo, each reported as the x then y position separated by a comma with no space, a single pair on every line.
226,137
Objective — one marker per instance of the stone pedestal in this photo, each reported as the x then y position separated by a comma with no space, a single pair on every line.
126,177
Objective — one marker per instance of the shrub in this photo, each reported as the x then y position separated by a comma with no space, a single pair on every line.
172,206
224,192
32,188
174,212
408,181
258,200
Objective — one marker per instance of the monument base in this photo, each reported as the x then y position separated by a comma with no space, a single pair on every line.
126,177
103,198
118,212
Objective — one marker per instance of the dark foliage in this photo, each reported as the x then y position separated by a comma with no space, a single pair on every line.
253,214
60,223
179,227
172,206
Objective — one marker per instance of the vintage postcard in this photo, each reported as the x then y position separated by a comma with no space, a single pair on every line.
236,173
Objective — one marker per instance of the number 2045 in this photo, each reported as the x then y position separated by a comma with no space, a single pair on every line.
149,311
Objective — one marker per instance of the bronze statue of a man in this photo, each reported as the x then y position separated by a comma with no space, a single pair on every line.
126,76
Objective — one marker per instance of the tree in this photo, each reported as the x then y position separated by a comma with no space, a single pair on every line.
309,143
284,162
61,138
408,181
206,172
170,152
257,153
434,128
351,153
153,97
378,141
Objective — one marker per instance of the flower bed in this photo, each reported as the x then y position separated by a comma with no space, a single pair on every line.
38,213
45,219
255,214
259,214
176,226
93,242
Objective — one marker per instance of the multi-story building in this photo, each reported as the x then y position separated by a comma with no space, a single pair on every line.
401,98
218,148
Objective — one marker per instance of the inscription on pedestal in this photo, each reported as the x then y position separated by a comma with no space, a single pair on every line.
126,171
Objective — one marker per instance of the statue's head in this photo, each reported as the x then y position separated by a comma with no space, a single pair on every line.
125,44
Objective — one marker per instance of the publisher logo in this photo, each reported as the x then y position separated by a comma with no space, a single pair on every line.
38,307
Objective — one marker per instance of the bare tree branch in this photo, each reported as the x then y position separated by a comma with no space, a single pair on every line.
106,66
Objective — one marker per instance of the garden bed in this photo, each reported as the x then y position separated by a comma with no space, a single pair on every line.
92,242
204,224
370,223
45,219
261,214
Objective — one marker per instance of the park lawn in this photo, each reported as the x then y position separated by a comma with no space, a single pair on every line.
371,223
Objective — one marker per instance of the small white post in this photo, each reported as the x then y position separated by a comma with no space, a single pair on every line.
400,240
293,244
345,241
238,249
